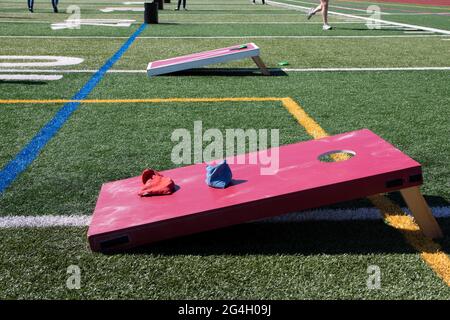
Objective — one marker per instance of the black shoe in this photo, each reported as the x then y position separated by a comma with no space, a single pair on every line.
31,10
55,9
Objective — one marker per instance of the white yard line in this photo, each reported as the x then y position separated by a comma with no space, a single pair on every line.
131,71
29,77
302,8
416,32
231,37
256,22
44,221
202,23
359,214
367,69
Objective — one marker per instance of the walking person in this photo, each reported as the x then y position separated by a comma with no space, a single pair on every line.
322,7
54,5
179,5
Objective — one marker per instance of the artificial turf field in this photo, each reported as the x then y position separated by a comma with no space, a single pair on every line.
406,104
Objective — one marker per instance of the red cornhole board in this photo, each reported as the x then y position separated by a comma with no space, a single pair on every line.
201,59
123,220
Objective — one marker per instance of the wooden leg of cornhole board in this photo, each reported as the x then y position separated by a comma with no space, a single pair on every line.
261,65
421,212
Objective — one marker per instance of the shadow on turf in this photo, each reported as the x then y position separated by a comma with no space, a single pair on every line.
252,72
22,82
305,238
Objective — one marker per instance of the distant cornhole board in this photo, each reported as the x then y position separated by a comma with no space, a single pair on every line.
123,220
201,59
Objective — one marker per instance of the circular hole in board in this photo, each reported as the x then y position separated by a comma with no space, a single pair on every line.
336,156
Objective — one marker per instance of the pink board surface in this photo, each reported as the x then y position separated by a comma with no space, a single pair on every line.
201,59
123,220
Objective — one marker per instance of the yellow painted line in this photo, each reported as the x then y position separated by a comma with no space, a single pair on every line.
430,252
155,100
310,125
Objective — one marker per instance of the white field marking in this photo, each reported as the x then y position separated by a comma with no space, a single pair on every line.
44,221
340,69
264,23
133,9
183,22
368,69
169,13
29,77
417,32
21,21
359,214
347,8
388,26
47,61
67,71
302,8
231,37
141,9
75,23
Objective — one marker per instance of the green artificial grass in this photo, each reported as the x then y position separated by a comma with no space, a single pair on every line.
104,142
303,53
320,260
17,127
110,142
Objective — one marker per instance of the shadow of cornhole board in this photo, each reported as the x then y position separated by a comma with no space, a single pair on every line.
123,220
201,59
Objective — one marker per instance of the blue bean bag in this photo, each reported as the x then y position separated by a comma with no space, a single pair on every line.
219,175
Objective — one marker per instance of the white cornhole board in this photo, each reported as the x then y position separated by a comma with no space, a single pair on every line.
201,59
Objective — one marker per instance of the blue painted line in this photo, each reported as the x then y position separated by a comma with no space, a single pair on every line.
31,151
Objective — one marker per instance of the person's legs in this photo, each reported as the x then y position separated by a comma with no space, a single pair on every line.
179,5
318,8
55,6
184,4
313,11
30,5
324,4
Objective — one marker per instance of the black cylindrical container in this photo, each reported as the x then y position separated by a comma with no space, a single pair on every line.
151,12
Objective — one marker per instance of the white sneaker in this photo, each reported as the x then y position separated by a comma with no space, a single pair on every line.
310,13
327,27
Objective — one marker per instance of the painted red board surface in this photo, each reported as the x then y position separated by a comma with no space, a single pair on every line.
201,59
122,219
